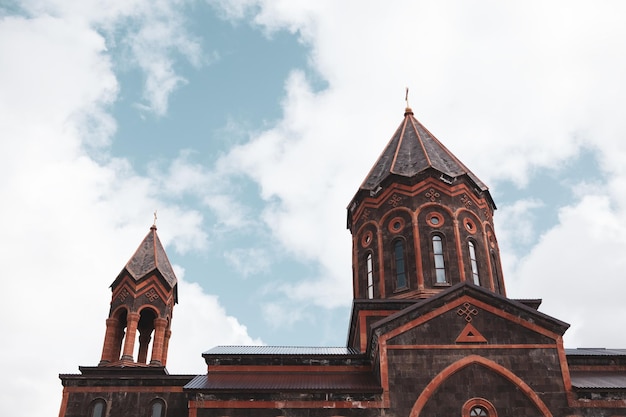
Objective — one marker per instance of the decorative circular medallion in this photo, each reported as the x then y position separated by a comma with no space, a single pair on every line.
434,219
396,224
367,238
469,225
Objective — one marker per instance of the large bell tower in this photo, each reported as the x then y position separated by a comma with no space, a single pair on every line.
421,222
142,302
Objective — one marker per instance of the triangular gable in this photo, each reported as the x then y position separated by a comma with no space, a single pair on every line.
470,335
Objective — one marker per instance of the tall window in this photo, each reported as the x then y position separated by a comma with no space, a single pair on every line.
472,254
98,408
157,408
440,267
370,276
398,250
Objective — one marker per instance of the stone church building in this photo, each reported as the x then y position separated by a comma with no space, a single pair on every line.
432,332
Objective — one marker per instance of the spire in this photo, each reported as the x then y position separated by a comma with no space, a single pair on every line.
413,150
148,257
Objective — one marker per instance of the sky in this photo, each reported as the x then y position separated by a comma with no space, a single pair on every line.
248,126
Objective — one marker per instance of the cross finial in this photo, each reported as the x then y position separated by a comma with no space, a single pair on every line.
407,110
155,218
406,97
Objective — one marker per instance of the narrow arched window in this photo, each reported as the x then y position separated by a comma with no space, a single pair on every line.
98,408
157,408
370,276
440,267
472,254
398,250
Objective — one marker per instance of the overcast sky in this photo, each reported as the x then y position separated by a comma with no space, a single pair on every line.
249,125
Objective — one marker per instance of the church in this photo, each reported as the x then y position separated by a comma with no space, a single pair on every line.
432,332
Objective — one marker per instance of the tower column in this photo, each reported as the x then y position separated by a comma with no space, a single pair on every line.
144,341
131,332
109,341
118,336
159,341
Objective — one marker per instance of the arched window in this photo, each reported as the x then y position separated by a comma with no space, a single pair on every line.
398,250
157,408
440,267
472,254
370,276
98,408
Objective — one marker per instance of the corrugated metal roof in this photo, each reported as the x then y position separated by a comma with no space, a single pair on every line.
609,380
281,350
286,381
595,352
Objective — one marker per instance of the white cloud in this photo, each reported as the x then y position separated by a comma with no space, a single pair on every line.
153,31
578,269
69,222
284,314
516,223
508,88
249,261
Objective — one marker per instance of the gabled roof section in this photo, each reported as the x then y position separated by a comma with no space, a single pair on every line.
413,150
451,295
149,257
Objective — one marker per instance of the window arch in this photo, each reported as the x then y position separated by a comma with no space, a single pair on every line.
473,262
157,408
98,408
400,265
440,266
369,264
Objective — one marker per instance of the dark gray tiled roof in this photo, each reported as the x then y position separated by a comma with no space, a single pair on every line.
412,150
150,256
281,350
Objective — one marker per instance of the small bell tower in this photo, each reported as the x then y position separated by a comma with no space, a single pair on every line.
142,302
421,222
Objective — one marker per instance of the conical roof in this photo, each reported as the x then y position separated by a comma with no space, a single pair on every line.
413,150
150,256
